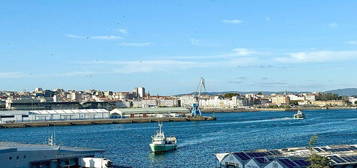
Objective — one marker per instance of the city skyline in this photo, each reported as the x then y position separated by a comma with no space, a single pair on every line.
167,47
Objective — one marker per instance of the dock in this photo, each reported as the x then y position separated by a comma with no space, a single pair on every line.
104,121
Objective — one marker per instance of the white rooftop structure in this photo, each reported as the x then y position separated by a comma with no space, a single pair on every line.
68,111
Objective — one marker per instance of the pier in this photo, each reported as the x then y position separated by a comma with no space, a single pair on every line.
104,121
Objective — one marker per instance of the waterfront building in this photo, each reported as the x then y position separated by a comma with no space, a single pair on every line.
52,115
280,100
352,100
233,160
141,92
339,155
16,155
310,97
149,112
293,97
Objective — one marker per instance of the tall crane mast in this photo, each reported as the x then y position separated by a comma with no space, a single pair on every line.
195,111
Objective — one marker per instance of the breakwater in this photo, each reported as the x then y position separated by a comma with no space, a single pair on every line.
103,121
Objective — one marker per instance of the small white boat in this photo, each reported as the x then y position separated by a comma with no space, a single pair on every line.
299,115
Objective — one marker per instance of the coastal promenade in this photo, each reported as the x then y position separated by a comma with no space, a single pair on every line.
104,121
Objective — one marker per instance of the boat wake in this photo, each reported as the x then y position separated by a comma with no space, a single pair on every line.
268,120
351,119
197,141
252,121
204,138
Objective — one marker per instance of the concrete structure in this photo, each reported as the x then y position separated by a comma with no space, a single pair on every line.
329,103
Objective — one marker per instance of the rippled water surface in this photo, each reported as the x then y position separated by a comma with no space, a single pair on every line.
127,144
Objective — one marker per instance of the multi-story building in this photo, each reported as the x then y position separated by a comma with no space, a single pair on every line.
280,100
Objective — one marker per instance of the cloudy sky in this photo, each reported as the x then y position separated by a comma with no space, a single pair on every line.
166,46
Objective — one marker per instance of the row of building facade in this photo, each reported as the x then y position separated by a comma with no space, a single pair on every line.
138,98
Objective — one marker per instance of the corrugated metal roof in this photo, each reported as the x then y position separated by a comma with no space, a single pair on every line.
34,147
149,110
73,111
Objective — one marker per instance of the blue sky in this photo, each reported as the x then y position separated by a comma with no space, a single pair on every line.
167,46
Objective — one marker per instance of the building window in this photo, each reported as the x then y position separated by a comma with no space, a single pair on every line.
10,158
17,157
24,156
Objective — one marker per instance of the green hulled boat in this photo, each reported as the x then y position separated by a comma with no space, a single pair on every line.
161,143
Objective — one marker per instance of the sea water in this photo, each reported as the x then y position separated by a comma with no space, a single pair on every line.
128,144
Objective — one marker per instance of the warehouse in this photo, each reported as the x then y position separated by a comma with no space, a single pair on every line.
149,112
48,115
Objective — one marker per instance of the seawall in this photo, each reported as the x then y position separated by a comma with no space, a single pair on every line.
103,121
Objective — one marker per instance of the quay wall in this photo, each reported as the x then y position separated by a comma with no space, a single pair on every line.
103,121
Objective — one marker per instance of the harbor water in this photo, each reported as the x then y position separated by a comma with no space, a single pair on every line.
128,144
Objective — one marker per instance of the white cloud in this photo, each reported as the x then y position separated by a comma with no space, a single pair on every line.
107,37
232,21
12,75
200,43
102,37
76,73
352,42
318,56
143,66
122,31
166,65
333,25
243,51
131,44
75,36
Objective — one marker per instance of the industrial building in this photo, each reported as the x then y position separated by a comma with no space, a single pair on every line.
149,112
51,115
340,156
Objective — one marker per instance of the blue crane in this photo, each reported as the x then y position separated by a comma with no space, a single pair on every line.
195,111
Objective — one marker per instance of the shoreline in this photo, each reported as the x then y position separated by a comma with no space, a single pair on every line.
104,121
222,110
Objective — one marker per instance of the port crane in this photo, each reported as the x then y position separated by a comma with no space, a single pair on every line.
195,111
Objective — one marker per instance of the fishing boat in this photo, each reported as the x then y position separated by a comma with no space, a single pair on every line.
160,143
299,115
